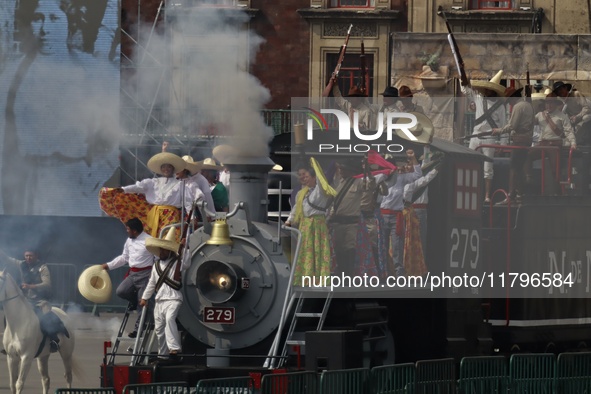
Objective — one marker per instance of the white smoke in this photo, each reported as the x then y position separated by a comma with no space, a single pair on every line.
198,69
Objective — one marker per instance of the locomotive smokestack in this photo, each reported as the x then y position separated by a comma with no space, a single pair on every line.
248,180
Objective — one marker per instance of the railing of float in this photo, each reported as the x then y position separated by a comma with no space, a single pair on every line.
436,376
292,382
346,381
532,373
573,373
483,375
157,388
543,150
282,120
240,385
393,379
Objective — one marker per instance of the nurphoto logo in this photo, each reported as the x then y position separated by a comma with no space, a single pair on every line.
394,121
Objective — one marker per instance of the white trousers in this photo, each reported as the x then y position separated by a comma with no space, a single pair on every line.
165,313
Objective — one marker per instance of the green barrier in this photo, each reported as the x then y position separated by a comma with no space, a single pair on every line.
532,373
436,376
157,388
290,383
393,379
483,375
108,390
573,373
241,385
346,381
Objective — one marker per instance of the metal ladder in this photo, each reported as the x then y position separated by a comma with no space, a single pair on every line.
143,341
295,336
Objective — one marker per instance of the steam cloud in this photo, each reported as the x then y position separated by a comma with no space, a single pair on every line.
210,90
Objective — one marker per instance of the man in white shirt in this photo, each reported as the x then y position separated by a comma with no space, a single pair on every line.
165,283
140,262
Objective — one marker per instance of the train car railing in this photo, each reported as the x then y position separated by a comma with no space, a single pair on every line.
543,150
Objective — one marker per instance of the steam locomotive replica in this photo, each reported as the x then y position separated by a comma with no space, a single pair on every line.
242,315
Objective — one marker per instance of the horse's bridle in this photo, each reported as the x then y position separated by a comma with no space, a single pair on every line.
2,289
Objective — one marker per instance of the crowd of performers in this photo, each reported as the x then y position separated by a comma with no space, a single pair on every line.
370,217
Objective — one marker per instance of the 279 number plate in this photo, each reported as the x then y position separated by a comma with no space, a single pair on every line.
219,315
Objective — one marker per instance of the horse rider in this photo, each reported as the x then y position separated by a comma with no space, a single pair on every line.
35,282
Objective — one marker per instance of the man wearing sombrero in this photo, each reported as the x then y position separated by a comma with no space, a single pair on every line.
483,94
166,285
194,180
163,196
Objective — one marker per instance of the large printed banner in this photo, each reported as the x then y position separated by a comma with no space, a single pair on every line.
59,105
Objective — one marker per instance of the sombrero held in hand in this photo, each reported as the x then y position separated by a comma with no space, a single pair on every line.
95,284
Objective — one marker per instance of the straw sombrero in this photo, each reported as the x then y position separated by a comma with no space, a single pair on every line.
210,164
95,284
277,168
494,84
193,166
167,243
424,129
159,159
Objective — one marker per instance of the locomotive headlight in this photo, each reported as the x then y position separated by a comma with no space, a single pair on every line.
218,281
223,281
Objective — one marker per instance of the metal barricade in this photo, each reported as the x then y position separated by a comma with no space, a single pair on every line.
157,388
393,379
64,283
573,373
532,373
290,383
346,381
436,376
240,385
483,375
108,390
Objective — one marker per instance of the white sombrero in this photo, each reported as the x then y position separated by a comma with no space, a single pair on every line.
167,243
193,166
95,284
423,131
210,164
494,84
277,168
159,159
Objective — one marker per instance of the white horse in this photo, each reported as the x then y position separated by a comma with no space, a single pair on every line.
23,336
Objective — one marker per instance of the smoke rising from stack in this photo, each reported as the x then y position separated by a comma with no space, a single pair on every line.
198,67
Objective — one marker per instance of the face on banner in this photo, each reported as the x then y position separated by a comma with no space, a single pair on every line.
59,95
